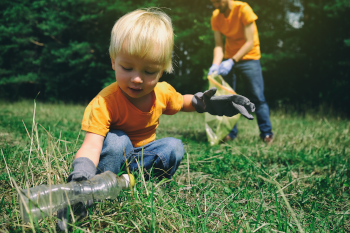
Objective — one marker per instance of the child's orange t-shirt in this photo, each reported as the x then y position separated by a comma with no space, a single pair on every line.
110,109
232,28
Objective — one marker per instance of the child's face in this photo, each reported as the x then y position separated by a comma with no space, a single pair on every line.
135,76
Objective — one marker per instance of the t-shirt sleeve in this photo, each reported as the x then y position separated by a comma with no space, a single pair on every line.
247,15
214,27
97,117
174,100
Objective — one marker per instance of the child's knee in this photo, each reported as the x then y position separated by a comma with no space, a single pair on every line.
116,141
178,150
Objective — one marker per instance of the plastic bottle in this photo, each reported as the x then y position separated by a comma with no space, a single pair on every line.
42,200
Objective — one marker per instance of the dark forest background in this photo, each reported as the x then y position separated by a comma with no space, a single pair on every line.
60,48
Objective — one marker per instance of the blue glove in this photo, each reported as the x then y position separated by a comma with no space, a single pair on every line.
225,67
213,68
83,169
223,105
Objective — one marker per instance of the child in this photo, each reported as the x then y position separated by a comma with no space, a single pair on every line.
124,116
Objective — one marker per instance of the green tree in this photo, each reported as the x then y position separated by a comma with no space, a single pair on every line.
61,48
58,47
325,43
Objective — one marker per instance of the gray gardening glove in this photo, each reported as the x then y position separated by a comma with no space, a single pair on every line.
83,169
225,67
213,68
224,105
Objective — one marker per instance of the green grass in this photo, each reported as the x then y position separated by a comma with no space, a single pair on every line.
232,187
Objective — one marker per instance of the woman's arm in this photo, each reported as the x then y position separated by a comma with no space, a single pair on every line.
91,148
249,30
218,49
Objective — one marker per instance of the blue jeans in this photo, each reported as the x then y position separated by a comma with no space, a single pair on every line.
164,155
250,71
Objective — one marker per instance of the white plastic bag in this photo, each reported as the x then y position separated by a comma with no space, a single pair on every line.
217,127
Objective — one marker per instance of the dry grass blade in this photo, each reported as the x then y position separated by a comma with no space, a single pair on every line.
265,224
25,206
129,174
7,168
138,229
188,170
295,181
142,177
286,201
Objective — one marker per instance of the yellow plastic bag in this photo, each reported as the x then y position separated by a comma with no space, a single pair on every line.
217,127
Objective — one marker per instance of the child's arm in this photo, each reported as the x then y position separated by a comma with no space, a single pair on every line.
187,105
91,148
223,105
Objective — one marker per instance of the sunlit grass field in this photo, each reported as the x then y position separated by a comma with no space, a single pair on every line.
299,183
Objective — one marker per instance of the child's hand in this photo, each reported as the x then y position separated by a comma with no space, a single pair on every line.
83,169
224,105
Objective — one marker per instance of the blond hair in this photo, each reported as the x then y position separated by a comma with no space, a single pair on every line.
144,33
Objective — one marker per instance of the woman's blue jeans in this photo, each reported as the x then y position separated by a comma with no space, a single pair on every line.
164,155
250,71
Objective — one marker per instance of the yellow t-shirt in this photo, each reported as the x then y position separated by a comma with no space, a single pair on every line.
110,109
233,28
